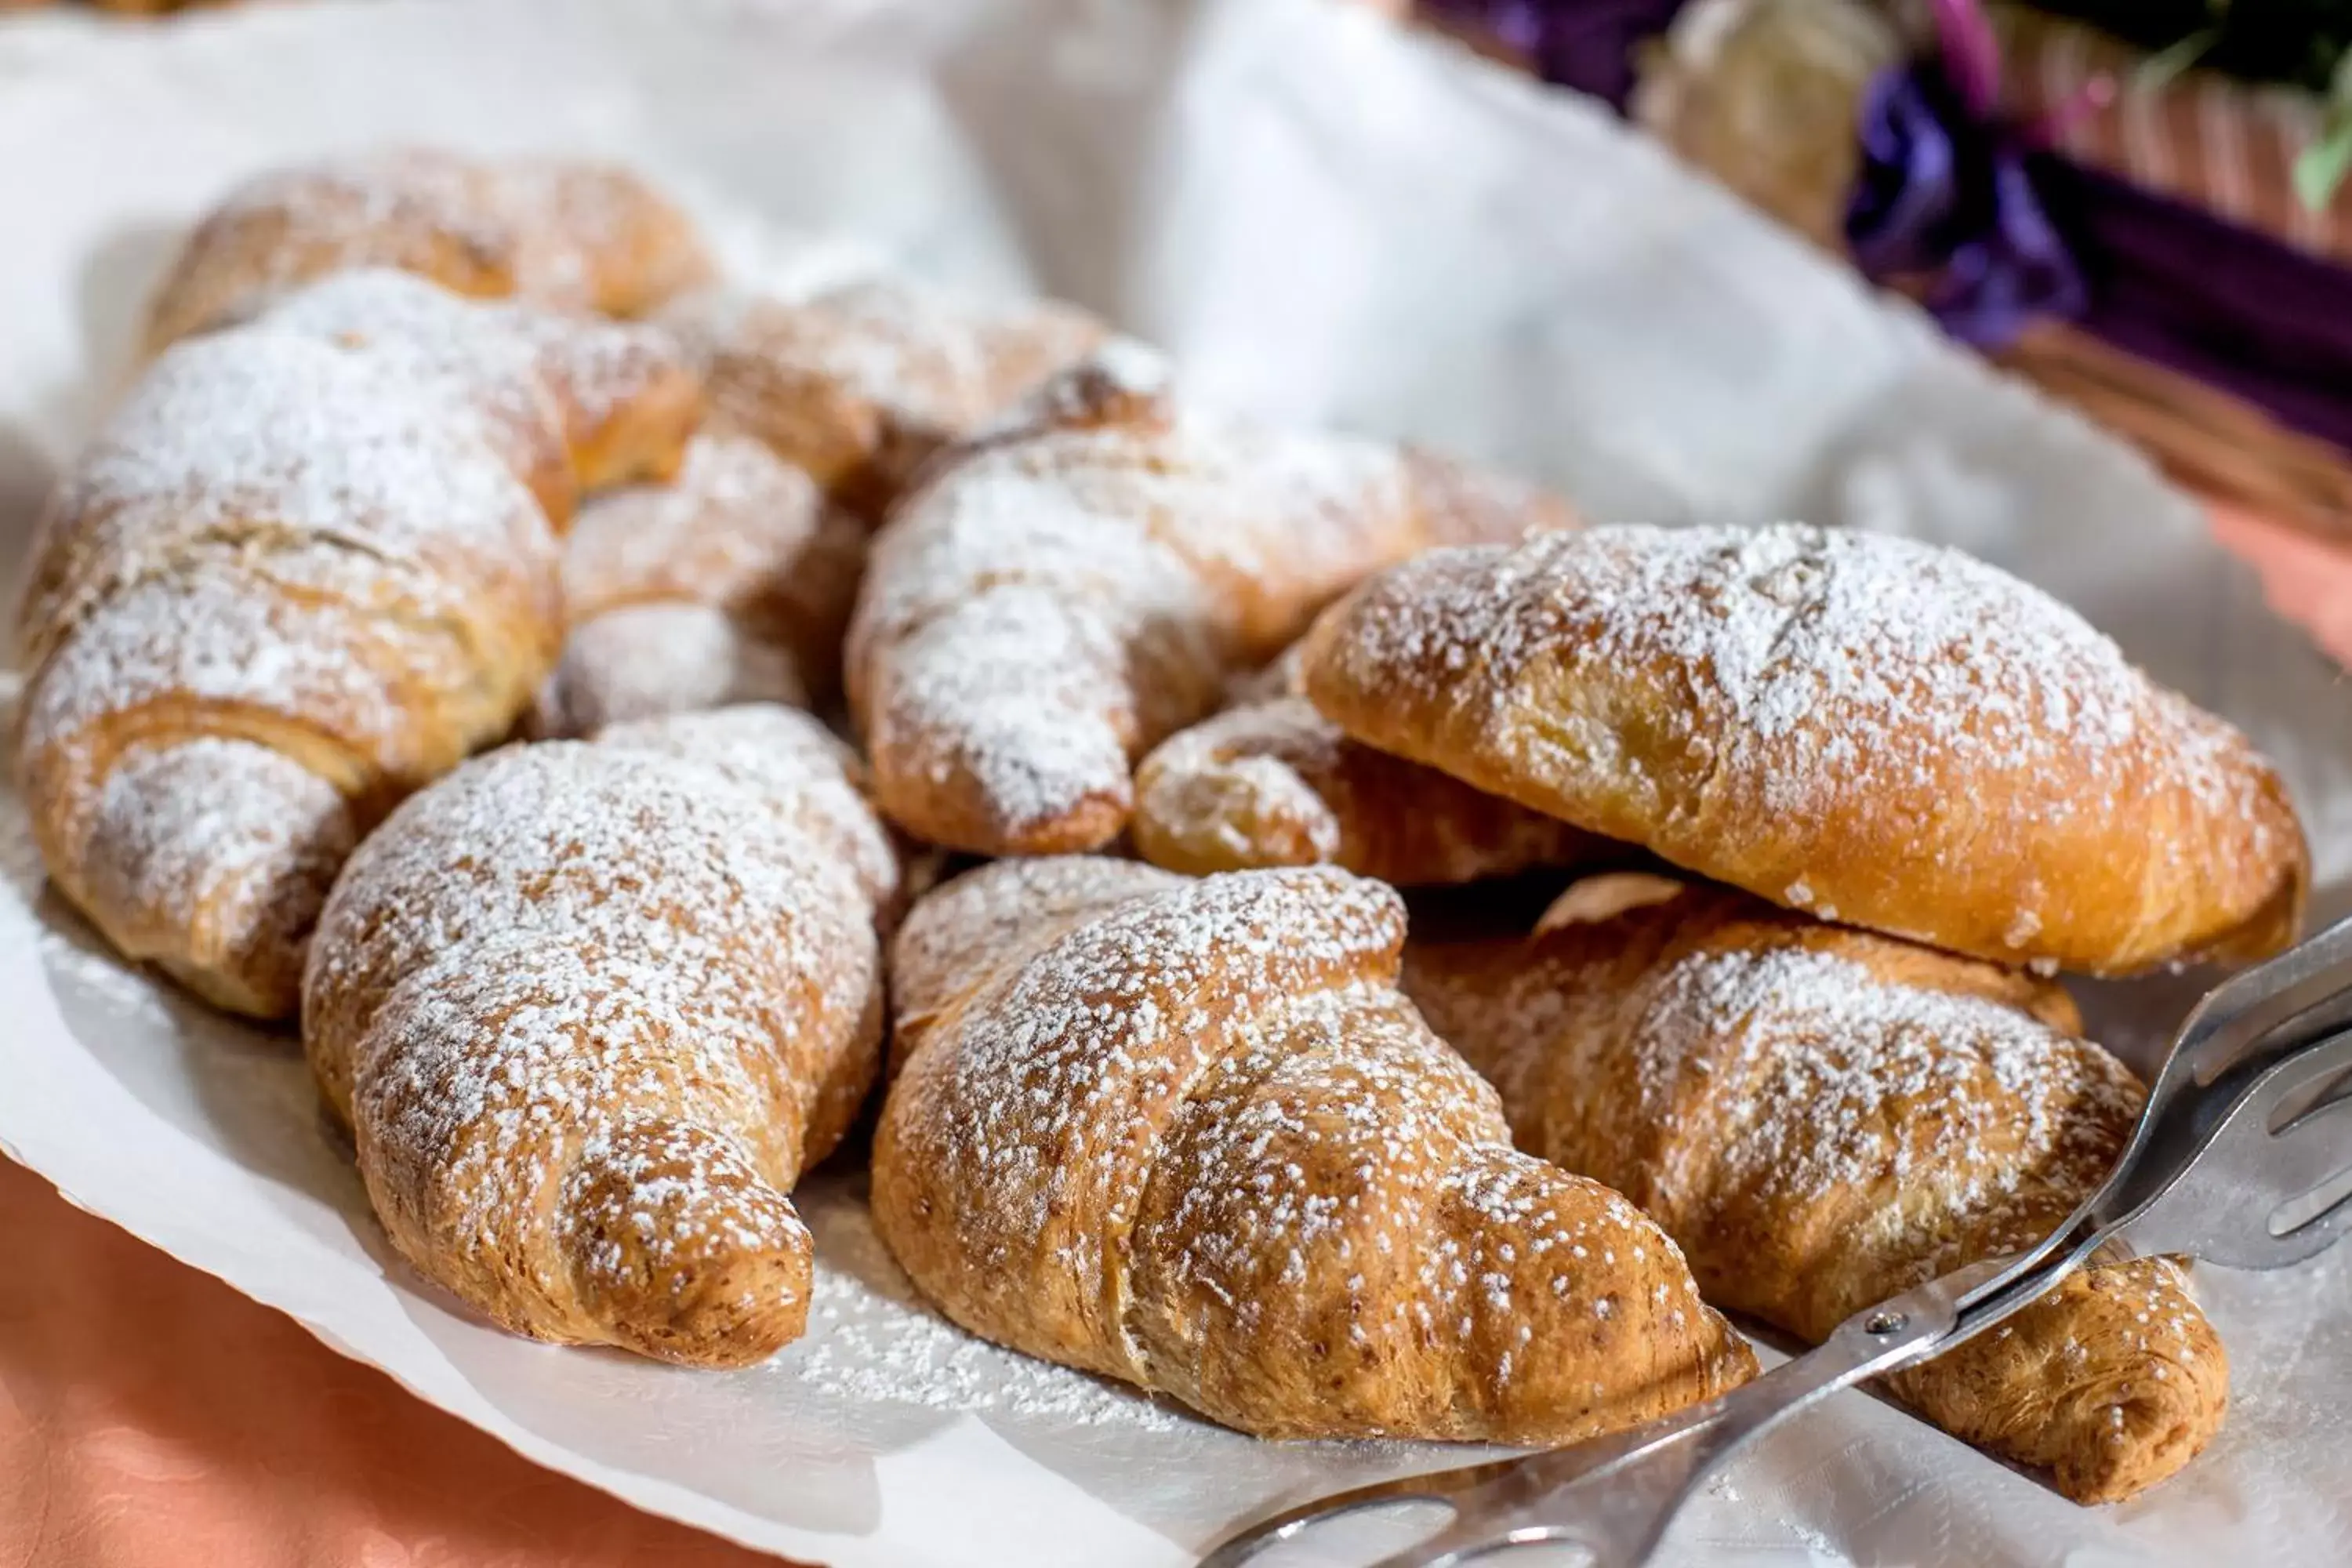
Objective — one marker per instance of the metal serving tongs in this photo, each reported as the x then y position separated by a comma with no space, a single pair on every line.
2241,1131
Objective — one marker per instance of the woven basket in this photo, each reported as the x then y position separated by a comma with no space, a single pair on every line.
2208,441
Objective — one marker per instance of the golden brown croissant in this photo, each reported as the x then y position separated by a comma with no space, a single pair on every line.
1271,782
297,575
590,1009
731,584
1057,600
862,381
1189,1134
1823,1118
573,235
579,405
1868,728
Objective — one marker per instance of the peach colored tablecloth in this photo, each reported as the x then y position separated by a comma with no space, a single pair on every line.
151,1418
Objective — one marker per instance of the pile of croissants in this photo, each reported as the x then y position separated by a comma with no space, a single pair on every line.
429,647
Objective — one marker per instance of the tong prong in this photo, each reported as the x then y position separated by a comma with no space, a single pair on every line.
1442,1488
1293,1522
2217,1175
1630,1484
2317,1068
2288,1001
2315,1145
1475,1494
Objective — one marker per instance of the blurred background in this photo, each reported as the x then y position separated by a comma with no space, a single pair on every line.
2138,204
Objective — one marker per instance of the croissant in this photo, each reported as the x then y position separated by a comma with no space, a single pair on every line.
862,381
1823,1118
298,573
1271,782
731,584
591,1007
1188,1133
1060,598
573,235
578,405
1877,731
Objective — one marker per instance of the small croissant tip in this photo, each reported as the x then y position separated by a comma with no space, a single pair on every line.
681,1250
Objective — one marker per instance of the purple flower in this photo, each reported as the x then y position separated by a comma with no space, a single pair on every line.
1949,192
1588,45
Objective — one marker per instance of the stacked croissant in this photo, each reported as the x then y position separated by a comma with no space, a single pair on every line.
438,645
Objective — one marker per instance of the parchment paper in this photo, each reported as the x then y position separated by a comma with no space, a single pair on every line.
1326,221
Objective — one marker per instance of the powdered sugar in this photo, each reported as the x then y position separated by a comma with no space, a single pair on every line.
276,524
873,1343
575,236
672,932
732,584
799,769
473,354
1015,695
1341,1132
314,534
1179,1119
950,938
1053,606
930,361
730,524
1882,651
243,441
1052,1109
1844,1072
1733,1067
208,815
642,661
538,376
1905,737
1273,783
1852,636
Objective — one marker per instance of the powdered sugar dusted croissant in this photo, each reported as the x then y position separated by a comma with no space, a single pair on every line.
573,235
577,403
1058,599
1865,727
733,584
304,568
1271,782
863,380
1824,1118
590,1009
1189,1134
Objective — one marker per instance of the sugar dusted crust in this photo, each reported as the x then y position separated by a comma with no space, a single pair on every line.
864,380
327,537
1277,784
731,583
1824,1118
571,235
1062,597
590,1009
1187,1135
1862,726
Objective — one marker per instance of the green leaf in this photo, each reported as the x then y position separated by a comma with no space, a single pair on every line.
2323,165
2166,64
